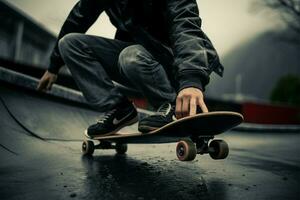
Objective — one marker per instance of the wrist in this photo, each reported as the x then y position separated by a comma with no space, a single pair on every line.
51,73
191,80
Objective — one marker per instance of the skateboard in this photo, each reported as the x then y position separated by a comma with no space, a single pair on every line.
193,134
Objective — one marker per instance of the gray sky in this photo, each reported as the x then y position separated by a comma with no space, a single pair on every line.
227,23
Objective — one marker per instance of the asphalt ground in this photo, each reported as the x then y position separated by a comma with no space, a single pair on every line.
40,149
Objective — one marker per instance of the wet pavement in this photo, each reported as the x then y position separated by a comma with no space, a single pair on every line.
40,144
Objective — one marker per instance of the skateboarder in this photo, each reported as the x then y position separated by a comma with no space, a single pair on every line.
159,49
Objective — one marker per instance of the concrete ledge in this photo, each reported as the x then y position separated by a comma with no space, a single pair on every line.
29,82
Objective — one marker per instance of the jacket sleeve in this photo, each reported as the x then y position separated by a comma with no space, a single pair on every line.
194,55
81,17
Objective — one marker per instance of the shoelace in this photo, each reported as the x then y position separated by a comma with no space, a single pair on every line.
164,109
105,117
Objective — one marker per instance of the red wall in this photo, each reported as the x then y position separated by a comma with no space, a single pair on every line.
270,114
253,112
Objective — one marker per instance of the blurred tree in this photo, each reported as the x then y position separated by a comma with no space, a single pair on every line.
287,90
289,10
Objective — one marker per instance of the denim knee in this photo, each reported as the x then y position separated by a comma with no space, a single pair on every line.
68,42
134,58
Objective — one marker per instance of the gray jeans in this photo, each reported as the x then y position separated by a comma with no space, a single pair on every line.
95,62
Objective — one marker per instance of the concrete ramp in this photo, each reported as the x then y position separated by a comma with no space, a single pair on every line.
45,117
18,145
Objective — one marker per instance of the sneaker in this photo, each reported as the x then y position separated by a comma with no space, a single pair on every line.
164,115
124,114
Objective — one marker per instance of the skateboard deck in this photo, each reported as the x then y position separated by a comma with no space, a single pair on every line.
204,124
192,132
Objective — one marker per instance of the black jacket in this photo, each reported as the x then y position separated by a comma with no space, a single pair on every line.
169,29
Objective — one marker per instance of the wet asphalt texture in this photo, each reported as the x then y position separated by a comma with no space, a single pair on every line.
40,149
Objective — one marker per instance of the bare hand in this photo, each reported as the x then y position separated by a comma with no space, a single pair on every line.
46,81
187,101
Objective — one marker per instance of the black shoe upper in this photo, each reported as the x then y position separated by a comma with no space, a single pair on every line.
123,114
164,115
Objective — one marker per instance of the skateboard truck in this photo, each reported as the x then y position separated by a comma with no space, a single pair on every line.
187,149
88,147
202,144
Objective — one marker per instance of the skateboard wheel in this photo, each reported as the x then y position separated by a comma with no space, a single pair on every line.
121,148
87,147
220,149
186,150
